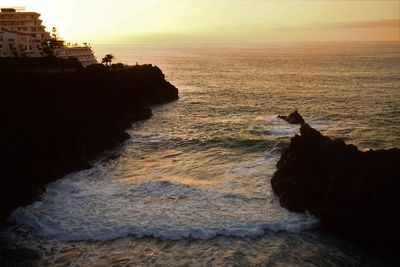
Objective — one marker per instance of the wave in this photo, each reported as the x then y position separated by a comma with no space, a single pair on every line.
89,206
251,229
202,143
141,198
255,135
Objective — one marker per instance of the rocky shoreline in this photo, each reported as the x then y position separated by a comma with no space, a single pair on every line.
55,122
355,194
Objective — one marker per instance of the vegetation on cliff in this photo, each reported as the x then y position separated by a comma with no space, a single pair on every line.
55,123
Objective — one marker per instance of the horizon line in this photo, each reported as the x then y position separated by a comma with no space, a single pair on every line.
243,43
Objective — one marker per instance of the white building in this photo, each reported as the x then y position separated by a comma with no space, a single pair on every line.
18,44
83,53
22,34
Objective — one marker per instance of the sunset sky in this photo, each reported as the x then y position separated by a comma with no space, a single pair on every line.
218,21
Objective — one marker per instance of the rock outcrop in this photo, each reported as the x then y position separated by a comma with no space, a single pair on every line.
293,118
55,123
355,194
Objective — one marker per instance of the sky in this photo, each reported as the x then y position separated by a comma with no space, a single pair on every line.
217,21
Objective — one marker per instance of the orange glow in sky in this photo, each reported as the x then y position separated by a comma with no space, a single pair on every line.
210,21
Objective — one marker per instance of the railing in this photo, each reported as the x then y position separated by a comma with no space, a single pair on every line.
77,45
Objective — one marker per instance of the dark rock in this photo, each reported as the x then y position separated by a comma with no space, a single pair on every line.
293,118
31,64
355,194
19,257
55,123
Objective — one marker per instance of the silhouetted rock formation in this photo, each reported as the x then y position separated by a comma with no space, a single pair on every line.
355,194
26,64
55,123
293,118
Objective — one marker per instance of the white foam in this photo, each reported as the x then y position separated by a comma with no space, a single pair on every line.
279,127
88,205
271,125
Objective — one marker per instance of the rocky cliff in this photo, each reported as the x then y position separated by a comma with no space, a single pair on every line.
355,194
55,123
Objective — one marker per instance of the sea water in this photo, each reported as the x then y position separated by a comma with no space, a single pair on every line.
192,184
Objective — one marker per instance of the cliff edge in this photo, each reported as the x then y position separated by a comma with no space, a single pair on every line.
355,194
57,118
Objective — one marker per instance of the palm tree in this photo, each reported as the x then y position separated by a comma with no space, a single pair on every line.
107,59
54,33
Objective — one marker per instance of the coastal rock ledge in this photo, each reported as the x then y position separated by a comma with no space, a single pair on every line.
293,118
58,117
355,194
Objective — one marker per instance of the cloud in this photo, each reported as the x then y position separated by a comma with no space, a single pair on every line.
384,23
162,37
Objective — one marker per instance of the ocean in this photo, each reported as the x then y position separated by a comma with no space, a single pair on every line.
191,187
